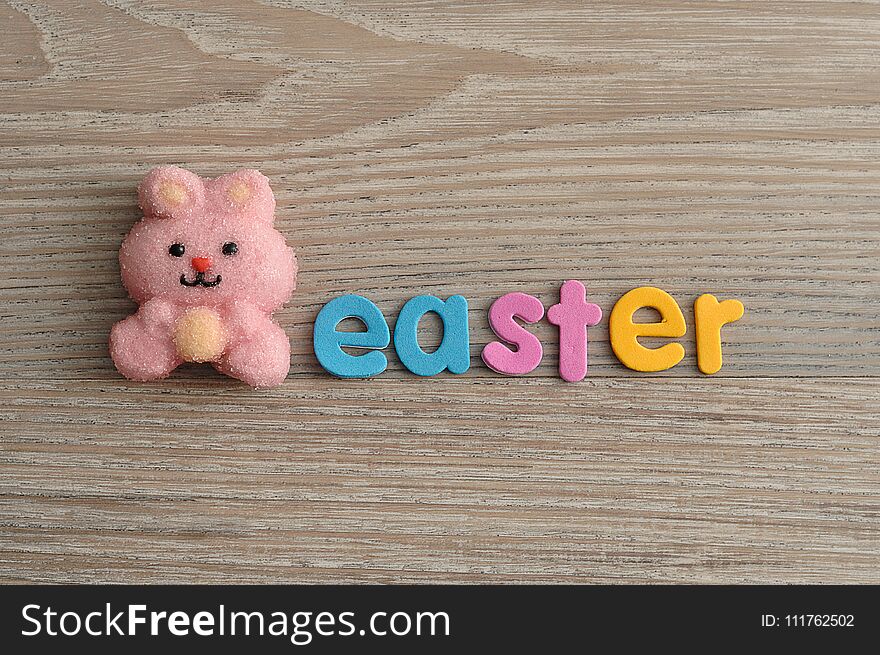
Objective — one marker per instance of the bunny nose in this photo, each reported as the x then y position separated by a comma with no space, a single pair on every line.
201,264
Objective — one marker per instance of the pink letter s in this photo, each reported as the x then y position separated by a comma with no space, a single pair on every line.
529,352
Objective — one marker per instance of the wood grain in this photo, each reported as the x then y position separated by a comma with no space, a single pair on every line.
474,148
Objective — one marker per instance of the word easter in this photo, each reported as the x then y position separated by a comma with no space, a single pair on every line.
573,314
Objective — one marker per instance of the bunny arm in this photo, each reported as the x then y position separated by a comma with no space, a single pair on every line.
259,354
142,346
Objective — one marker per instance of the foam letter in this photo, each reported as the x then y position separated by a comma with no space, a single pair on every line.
710,315
624,332
328,342
528,353
454,351
573,315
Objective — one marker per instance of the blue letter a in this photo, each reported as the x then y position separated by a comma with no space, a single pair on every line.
454,351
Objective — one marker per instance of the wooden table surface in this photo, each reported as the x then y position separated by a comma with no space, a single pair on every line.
475,148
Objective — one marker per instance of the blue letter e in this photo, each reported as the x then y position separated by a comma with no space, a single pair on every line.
328,342
454,351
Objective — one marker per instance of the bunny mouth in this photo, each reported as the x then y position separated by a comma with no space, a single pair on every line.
200,281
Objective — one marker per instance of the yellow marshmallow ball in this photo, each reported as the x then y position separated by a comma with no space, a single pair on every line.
199,335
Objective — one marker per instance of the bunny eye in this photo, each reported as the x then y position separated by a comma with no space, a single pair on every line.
230,248
176,250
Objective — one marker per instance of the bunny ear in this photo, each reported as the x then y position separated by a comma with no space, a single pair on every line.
170,192
245,193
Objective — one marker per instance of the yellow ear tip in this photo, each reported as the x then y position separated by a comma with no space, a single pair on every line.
172,193
239,192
